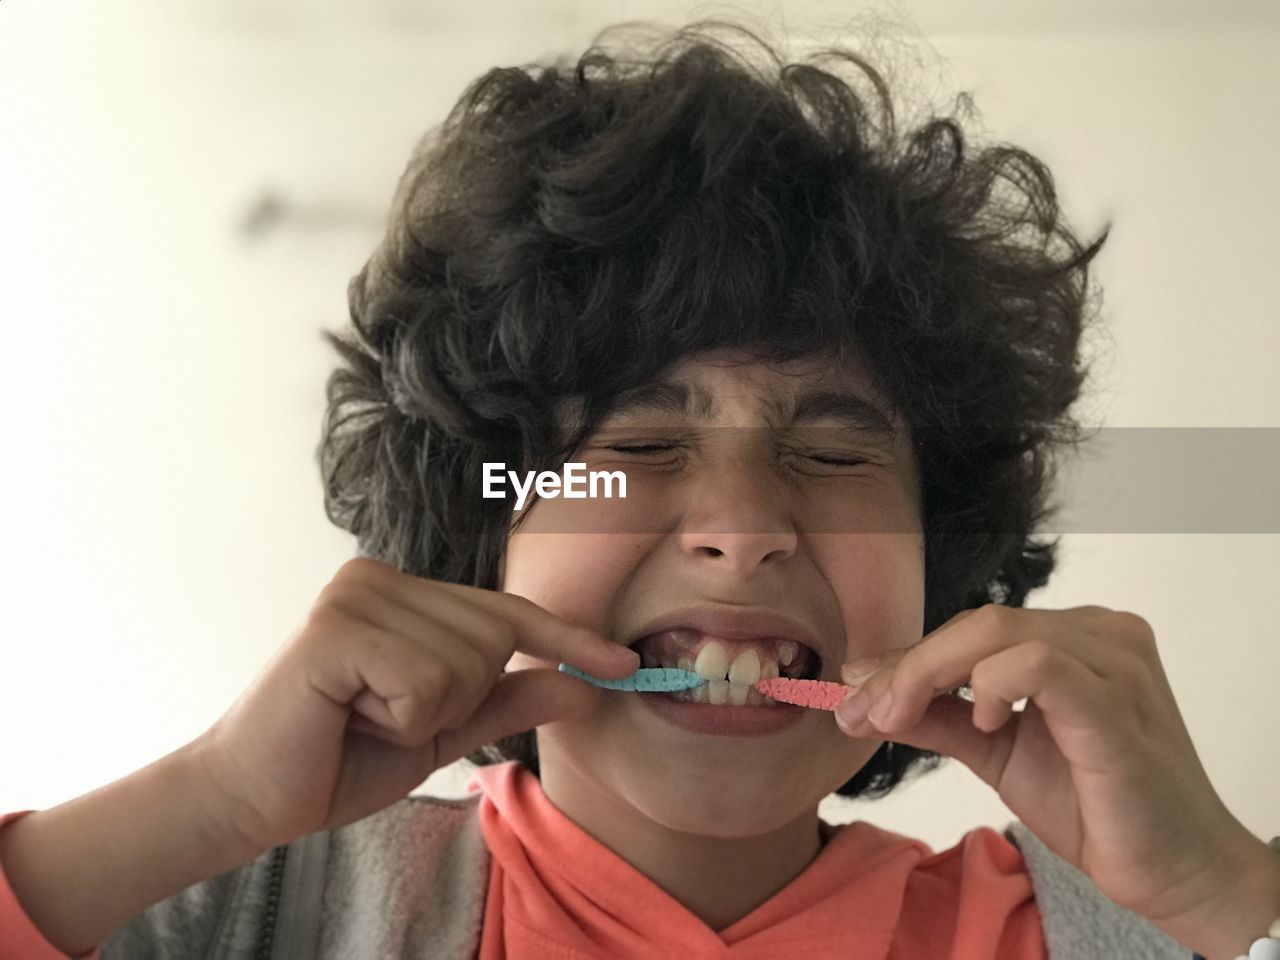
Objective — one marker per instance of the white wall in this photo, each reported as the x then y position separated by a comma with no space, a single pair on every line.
164,528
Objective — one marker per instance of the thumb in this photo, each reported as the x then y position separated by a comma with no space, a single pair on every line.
520,700
947,728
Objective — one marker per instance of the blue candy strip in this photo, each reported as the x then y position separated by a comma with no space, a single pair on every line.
644,680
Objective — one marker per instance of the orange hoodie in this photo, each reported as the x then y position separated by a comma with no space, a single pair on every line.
870,894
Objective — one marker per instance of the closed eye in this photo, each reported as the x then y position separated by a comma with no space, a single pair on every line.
641,448
836,461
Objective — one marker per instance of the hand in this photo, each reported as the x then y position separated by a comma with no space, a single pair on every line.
1099,765
390,677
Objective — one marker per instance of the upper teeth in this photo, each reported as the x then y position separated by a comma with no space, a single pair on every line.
728,681
733,682
746,668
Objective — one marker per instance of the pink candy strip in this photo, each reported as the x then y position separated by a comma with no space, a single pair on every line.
816,694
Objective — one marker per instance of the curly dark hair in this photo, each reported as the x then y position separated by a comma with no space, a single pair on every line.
570,230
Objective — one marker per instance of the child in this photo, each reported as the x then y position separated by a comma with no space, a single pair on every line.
831,362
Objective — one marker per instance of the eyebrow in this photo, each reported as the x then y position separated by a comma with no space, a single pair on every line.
662,396
849,410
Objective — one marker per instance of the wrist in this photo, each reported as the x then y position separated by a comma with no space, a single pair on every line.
1246,904
82,869
223,830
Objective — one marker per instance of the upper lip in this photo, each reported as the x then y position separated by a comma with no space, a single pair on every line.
731,623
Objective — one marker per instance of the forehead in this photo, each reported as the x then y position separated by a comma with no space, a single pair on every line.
718,377
726,384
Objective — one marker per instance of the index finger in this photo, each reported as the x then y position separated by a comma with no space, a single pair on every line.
541,634
856,672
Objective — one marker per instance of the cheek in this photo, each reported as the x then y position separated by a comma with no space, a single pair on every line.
575,576
878,580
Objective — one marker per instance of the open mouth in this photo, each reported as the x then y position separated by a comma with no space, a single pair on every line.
730,667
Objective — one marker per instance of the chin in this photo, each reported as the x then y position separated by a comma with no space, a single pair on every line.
728,808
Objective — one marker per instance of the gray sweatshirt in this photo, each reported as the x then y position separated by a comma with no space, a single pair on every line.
410,881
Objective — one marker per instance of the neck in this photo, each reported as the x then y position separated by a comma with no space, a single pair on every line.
720,880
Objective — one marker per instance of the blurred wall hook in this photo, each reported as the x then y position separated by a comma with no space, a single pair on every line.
271,212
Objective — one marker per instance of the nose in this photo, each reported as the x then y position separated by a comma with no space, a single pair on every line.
738,523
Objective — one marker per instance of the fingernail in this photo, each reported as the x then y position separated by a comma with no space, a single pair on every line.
853,710
880,712
857,672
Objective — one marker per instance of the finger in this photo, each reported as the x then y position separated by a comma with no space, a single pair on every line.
947,728
442,621
1075,701
991,711
1063,687
521,624
466,638
856,672
520,701
1087,634
541,634
395,682
948,657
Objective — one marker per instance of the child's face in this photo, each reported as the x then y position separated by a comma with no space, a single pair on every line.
735,517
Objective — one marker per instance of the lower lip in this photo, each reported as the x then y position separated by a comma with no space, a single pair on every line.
724,721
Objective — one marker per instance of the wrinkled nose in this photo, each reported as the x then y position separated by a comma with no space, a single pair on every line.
739,522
